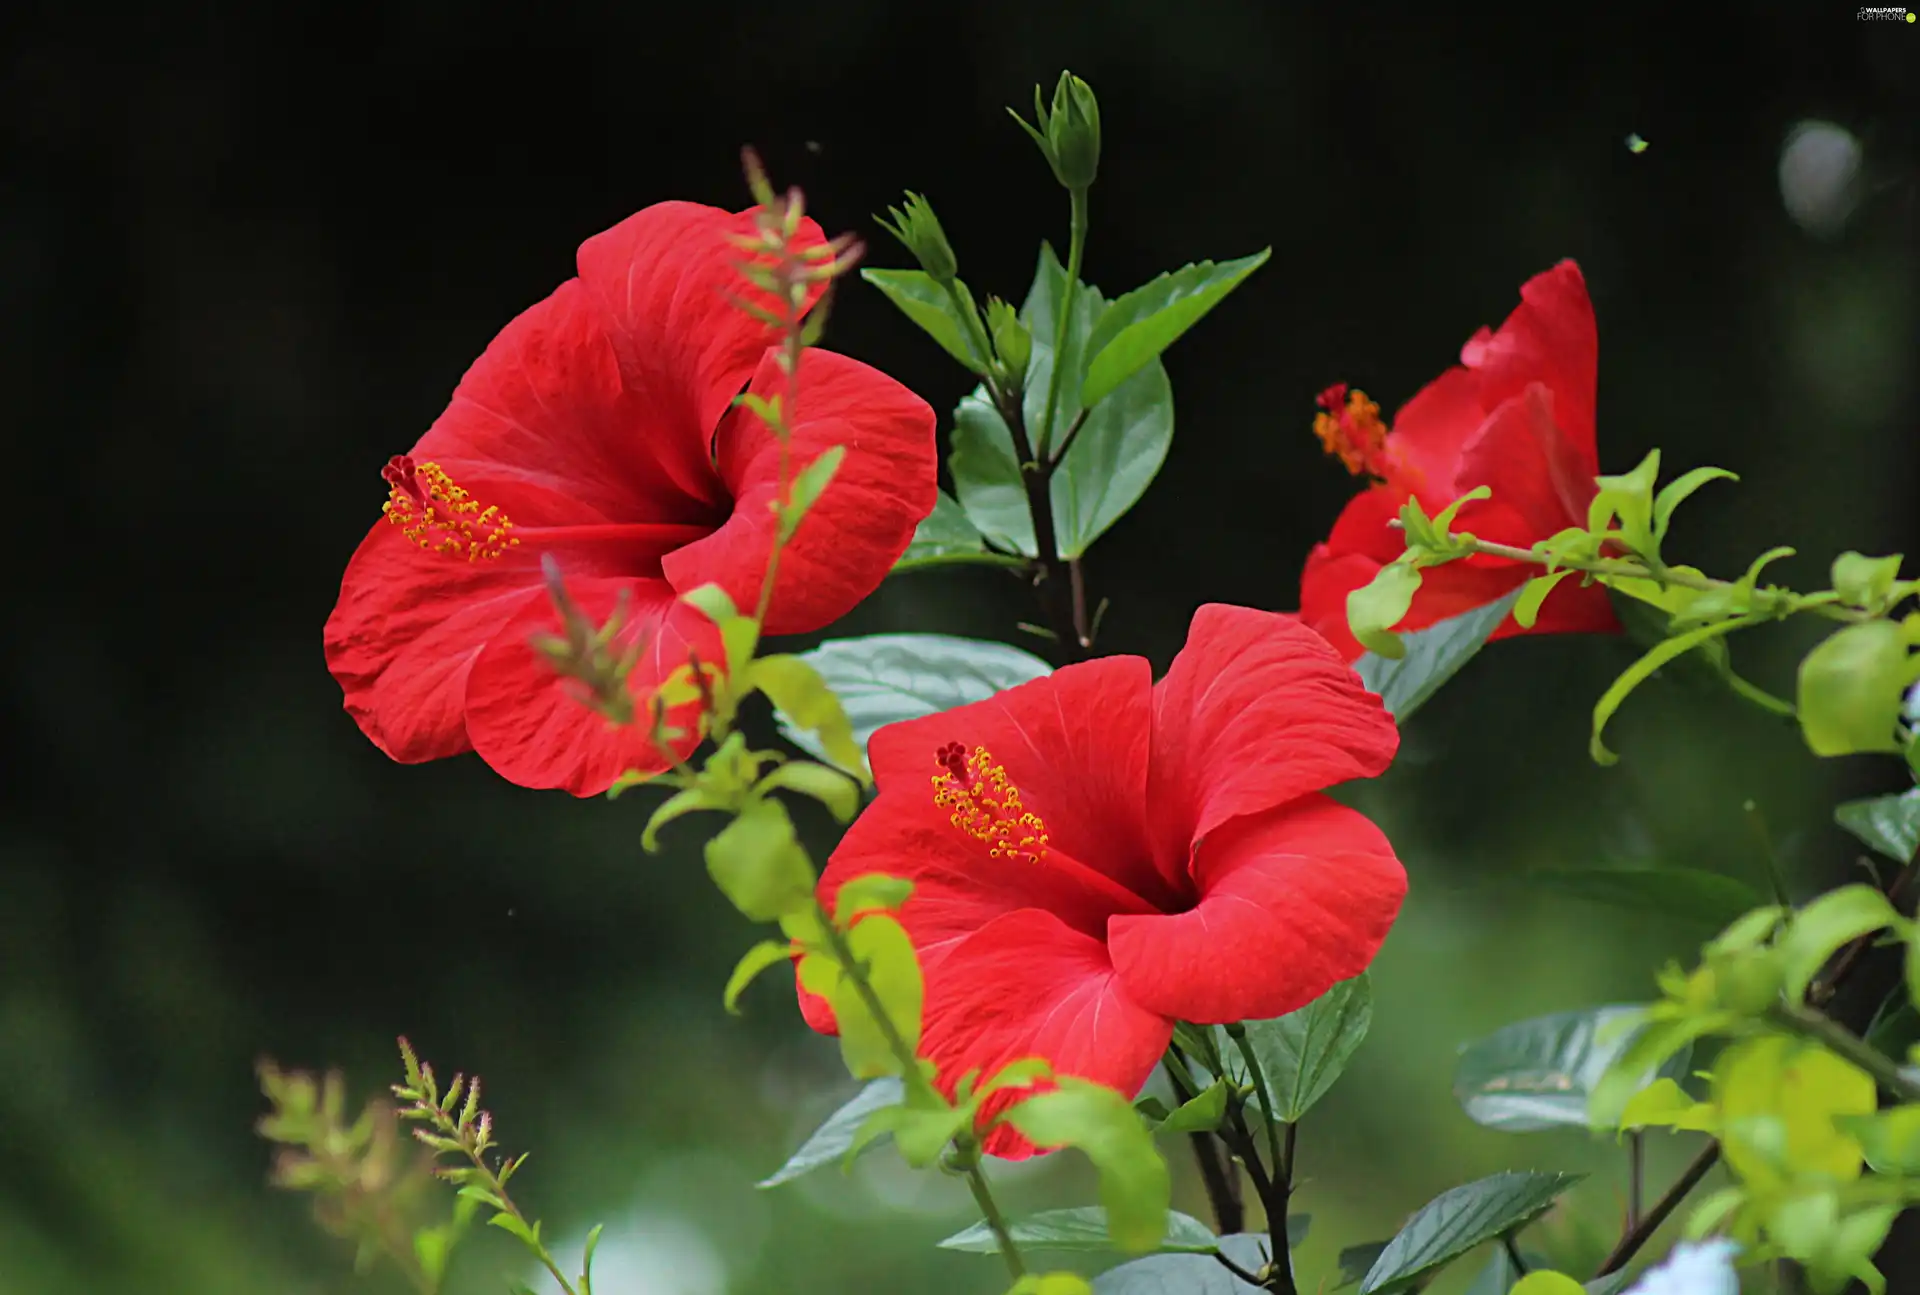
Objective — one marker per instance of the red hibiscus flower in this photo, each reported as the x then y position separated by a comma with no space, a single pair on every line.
1516,415
599,427
1095,856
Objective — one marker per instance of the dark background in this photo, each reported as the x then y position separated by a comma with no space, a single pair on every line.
245,253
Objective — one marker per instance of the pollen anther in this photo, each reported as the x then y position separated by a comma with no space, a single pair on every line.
441,517
1348,425
986,805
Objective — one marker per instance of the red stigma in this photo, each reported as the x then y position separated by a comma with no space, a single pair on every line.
953,758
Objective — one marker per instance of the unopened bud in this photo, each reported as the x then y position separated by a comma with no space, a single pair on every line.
1069,135
918,228
1011,340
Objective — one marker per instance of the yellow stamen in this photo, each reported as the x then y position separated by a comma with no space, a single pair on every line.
986,805
441,517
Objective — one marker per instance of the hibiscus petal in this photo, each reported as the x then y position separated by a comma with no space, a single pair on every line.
544,412
404,633
1028,985
669,281
1256,710
1431,429
1532,469
1550,337
856,530
1325,583
527,726
1291,902
958,887
1075,743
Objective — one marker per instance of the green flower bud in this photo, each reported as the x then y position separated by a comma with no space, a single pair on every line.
1011,340
918,228
1069,136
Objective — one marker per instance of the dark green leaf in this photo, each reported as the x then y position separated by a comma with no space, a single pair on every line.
946,538
1498,1277
1889,824
1082,1228
1539,1074
830,1141
1114,456
1710,898
884,678
1895,1026
1456,1221
927,304
1189,1274
1357,1261
1303,1052
1433,656
1138,326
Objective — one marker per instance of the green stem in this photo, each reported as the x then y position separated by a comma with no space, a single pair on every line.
990,1211
1513,1254
1765,602
1842,1042
916,1080
1238,1033
1076,248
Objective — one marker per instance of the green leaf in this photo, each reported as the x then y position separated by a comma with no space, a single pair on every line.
927,304
1303,1052
1357,1261
808,486
1818,930
529,1236
688,801
831,1140
1051,1284
1540,1074
1850,689
881,945
1458,1220
1547,1283
758,864
1532,594
1377,606
944,538
839,793
1710,898
922,1132
810,710
1676,491
1866,582
1101,1124
1433,656
1179,1274
867,892
1498,1277
1082,1229
586,1259
1138,326
1201,1115
1889,824
767,953
885,678
1113,458
1640,671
